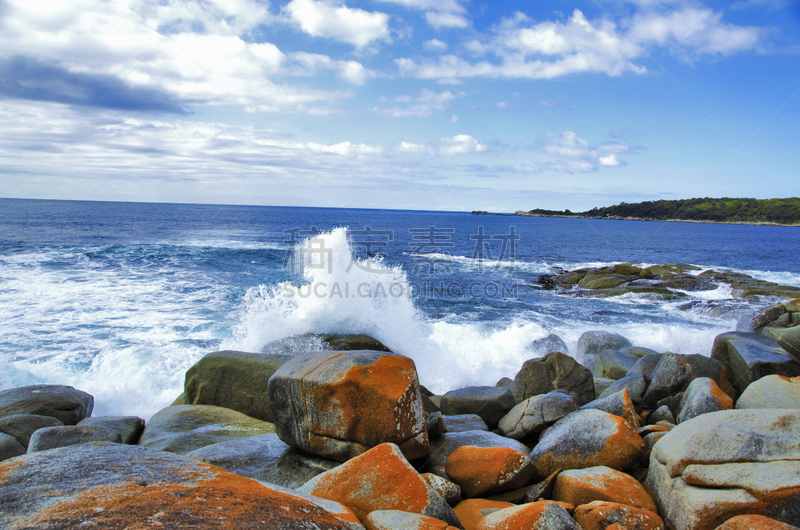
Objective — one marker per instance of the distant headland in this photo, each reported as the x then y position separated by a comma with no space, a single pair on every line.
784,212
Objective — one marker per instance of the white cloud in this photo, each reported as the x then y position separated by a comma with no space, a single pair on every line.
444,19
502,105
435,45
519,47
311,63
321,18
344,149
461,144
453,119
408,147
439,13
577,155
424,104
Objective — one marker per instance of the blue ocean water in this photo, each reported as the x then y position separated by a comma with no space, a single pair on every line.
119,299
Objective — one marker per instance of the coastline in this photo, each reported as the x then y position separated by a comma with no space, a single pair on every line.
620,218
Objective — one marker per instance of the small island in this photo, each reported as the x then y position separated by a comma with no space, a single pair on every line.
784,212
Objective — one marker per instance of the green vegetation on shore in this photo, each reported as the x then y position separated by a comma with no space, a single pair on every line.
724,210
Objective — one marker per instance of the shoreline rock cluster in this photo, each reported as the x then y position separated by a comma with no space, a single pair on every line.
620,437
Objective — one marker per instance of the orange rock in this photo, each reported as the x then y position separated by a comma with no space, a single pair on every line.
541,514
106,485
587,438
482,471
599,515
601,483
750,522
472,511
339,404
394,520
380,479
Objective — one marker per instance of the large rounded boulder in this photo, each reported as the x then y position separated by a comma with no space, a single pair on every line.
340,404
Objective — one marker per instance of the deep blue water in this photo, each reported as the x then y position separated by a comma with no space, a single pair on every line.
119,299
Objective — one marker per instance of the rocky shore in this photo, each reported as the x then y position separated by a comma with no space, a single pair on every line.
620,437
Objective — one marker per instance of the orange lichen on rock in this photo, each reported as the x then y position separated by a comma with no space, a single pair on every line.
538,514
598,515
380,479
582,486
472,511
224,500
482,471
749,522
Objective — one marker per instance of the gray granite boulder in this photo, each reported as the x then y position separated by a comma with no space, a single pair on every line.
587,438
9,447
662,413
183,428
670,376
55,437
450,441
618,404
464,422
555,371
771,392
64,403
22,426
491,403
645,366
781,323
535,414
614,364
130,428
721,464
101,485
748,357
339,404
550,343
591,343
233,380
702,396
635,384
265,458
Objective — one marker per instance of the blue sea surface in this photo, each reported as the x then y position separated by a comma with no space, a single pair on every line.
119,299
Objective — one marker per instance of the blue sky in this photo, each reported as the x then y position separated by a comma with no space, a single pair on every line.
419,104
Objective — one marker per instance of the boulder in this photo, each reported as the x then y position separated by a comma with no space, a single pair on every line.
54,437
770,392
183,428
662,413
130,428
601,383
103,485
380,479
535,414
703,366
339,404
464,422
670,376
434,423
450,441
645,366
701,397
484,471
542,491
599,515
550,343
635,384
614,364
587,438
22,426
505,382
749,522
722,464
555,371
395,519
264,458
10,447
619,404
233,380
64,403
491,403
591,343
638,351
541,515
472,511
601,483
748,357
782,324
450,491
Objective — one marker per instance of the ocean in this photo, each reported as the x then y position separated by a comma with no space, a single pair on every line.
120,299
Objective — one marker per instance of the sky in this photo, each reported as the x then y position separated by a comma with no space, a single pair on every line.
453,105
